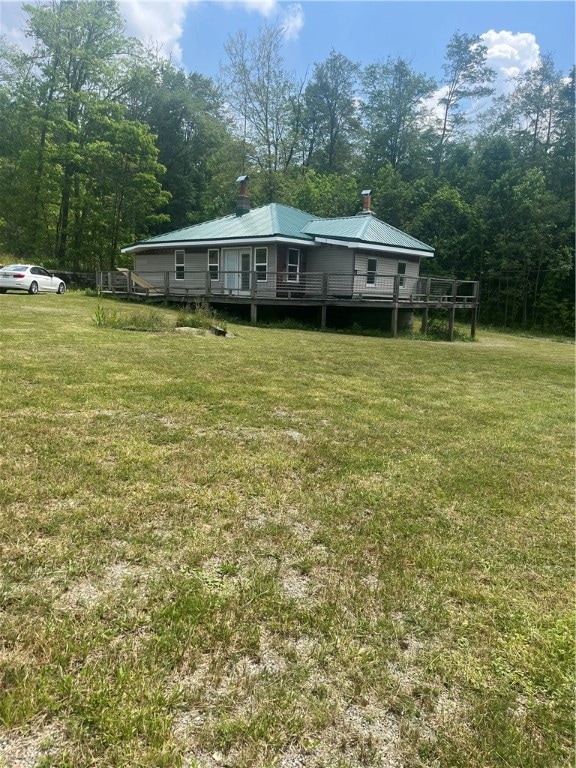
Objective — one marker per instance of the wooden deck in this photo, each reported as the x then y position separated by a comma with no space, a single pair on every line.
323,290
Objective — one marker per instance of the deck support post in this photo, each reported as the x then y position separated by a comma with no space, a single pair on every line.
424,328
451,318
253,312
166,285
129,283
395,320
452,315
323,317
208,283
474,318
473,321
395,296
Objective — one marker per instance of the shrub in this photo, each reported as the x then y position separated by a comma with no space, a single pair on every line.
198,315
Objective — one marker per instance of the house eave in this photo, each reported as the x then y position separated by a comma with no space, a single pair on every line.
224,243
359,245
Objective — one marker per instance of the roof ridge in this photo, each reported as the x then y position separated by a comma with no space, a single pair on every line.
365,225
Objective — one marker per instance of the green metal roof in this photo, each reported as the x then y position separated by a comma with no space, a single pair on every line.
366,229
268,221
275,220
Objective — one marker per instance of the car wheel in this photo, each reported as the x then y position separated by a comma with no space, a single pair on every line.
33,287
61,288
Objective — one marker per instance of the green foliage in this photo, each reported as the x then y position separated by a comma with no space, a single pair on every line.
198,316
323,194
137,320
330,122
395,116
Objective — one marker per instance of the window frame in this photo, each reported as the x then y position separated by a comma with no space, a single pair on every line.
402,273
261,274
179,267
214,269
371,273
293,277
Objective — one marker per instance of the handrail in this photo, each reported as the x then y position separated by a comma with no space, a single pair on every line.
324,286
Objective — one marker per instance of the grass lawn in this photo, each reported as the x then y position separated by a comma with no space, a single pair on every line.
284,548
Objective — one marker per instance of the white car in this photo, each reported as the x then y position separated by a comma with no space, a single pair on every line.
28,277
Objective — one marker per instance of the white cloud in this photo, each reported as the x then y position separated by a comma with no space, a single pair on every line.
292,21
510,54
291,17
158,22
162,21
265,7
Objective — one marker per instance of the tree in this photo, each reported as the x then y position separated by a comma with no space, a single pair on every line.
331,123
324,194
394,114
466,78
449,222
185,113
75,43
69,131
266,100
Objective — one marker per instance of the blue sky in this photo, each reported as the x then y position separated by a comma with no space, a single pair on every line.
193,32
371,31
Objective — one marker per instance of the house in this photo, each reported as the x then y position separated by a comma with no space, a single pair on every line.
278,255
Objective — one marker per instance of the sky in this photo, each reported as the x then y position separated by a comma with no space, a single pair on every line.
193,32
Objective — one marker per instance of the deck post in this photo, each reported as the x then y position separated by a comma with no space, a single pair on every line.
396,291
129,283
323,317
452,315
253,285
166,285
208,283
424,328
253,312
474,318
451,318
324,285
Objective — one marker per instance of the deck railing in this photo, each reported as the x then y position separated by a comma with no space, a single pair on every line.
255,285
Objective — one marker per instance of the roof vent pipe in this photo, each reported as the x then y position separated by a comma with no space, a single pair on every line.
243,202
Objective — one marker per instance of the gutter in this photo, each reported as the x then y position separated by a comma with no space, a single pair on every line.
217,243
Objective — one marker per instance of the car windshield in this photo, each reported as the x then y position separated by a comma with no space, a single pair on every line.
15,268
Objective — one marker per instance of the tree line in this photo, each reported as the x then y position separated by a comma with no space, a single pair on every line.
104,141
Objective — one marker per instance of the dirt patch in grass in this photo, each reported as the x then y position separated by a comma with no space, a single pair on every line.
38,744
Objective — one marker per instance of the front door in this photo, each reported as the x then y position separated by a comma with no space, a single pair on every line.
237,271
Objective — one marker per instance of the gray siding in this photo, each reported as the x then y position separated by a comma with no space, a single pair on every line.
338,262
386,268
153,265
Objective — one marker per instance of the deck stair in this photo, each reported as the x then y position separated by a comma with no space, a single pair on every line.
139,281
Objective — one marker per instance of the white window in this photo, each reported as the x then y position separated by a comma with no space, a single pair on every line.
261,264
293,265
179,264
402,272
214,263
371,271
